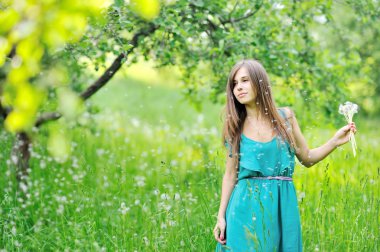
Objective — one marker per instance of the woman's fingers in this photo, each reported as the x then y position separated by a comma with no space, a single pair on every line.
219,236
352,127
222,234
216,234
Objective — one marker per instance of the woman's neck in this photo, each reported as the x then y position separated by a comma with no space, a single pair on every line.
253,112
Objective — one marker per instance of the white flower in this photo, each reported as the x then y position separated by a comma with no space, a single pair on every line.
123,209
320,19
302,195
177,196
164,196
156,191
60,209
348,109
140,181
146,240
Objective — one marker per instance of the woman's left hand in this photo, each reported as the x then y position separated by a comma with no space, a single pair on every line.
343,134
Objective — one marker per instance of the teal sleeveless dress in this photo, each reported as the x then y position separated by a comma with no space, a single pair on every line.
263,214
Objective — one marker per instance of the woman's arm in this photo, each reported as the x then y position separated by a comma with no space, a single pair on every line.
309,157
229,181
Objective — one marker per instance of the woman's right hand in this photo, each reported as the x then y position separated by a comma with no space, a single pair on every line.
342,136
219,231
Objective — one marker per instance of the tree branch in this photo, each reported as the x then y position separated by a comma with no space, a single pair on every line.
245,16
104,78
233,9
2,111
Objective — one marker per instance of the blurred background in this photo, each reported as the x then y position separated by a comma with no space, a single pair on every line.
112,112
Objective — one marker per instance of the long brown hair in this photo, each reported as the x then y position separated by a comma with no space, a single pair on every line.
235,112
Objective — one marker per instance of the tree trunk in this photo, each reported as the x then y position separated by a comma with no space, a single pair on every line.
21,155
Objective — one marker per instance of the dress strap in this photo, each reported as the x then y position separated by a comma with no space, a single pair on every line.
284,116
287,124
229,148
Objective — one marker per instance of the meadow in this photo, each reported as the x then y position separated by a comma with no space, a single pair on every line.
145,174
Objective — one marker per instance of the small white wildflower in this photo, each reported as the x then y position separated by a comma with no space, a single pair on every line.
177,196
302,195
146,240
123,209
164,196
23,187
100,152
140,181
60,209
14,230
156,191
365,198
172,223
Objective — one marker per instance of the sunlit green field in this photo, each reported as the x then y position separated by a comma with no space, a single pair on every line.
145,174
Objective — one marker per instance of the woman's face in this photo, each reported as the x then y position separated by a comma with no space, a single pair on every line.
243,90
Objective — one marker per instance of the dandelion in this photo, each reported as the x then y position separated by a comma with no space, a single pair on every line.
60,209
348,110
164,196
172,223
302,196
14,231
177,196
156,191
123,209
146,240
140,181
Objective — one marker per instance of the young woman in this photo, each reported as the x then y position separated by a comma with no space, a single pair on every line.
258,208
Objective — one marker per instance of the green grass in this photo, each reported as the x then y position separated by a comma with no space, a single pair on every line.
145,175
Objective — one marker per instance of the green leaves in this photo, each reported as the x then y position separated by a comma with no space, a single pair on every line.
25,100
36,30
147,9
8,19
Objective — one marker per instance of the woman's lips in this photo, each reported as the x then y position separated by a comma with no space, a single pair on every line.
241,95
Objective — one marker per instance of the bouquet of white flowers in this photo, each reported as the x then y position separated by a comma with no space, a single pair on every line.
348,109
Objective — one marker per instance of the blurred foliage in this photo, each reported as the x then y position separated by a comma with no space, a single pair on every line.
32,32
353,33
205,38
316,52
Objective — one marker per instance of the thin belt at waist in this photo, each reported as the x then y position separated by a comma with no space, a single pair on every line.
270,177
